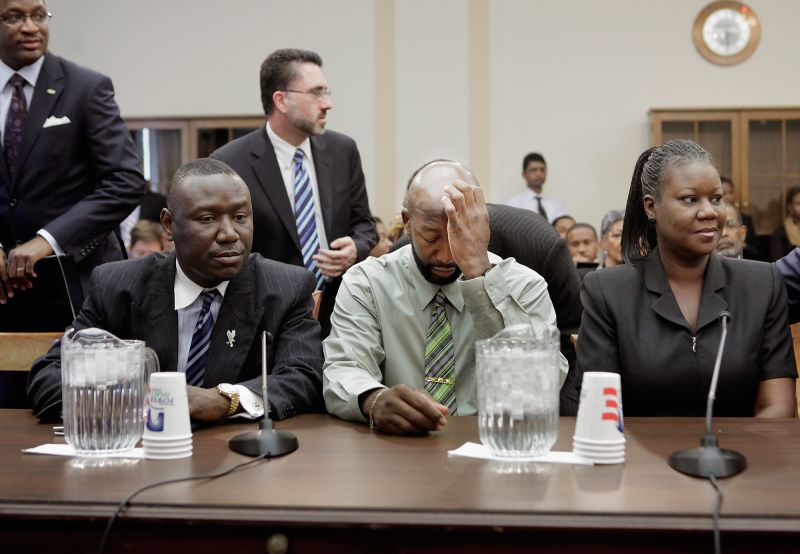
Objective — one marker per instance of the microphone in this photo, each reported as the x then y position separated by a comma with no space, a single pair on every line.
267,442
709,460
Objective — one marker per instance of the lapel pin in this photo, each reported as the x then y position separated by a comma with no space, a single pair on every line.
51,91
231,338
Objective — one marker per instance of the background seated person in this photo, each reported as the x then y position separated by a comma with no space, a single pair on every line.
384,245
787,235
202,308
732,243
751,249
562,224
583,246
656,319
611,238
401,350
145,239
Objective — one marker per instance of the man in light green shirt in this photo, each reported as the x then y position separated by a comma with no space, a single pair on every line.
375,356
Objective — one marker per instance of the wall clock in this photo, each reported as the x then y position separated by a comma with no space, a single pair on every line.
726,32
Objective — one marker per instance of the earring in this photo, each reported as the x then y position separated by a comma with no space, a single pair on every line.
651,220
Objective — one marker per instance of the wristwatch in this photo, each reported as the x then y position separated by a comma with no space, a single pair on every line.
229,391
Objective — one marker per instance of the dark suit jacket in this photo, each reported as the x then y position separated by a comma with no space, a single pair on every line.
532,241
779,245
135,300
342,193
789,266
78,181
632,325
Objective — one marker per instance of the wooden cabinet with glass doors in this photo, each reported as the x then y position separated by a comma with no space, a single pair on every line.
758,148
166,144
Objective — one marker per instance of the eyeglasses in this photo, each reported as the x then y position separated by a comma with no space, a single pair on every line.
318,93
15,19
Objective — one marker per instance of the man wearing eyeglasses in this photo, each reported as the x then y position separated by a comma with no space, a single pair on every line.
309,199
69,173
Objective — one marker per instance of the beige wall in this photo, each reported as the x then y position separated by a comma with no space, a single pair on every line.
413,79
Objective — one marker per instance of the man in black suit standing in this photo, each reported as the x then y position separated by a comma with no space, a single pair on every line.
202,308
309,199
69,171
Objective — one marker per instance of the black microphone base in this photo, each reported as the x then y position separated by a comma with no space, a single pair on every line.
264,441
708,460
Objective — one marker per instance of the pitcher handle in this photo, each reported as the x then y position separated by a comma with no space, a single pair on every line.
151,363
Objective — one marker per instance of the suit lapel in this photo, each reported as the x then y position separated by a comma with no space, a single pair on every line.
711,303
158,320
238,314
323,164
49,87
655,281
268,173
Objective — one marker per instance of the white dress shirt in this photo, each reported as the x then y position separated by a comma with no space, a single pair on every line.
31,74
188,304
285,154
527,201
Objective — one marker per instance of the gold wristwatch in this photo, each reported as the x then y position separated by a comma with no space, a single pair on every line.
229,392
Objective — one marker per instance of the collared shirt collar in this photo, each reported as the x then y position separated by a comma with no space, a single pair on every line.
30,72
285,151
187,291
425,290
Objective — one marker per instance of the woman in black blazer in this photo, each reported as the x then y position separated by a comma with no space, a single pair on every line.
656,319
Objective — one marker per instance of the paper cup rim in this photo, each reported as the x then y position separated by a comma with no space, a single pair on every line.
167,451
166,444
163,438
598,442
168,457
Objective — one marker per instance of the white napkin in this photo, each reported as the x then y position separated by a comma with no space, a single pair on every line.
482,452
67,450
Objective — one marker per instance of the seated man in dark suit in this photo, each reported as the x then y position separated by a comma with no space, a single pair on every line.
210,296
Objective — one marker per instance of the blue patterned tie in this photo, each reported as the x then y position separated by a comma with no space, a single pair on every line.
201,341
15,121
304,214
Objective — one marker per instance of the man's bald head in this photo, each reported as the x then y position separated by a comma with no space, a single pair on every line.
426,186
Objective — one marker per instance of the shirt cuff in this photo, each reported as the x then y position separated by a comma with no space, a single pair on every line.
482,296
51,241
251,403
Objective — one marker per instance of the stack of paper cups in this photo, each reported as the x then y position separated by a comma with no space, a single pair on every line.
599,428
167,431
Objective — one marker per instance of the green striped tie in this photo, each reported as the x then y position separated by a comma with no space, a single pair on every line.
440,372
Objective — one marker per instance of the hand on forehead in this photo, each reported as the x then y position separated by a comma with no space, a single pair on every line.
439,180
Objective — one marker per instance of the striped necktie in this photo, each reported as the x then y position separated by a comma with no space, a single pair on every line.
15,121
304,214
201,341
440,367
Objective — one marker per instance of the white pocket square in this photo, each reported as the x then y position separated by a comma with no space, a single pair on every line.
54,121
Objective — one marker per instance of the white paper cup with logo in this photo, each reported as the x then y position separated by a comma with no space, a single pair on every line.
167,410
600,420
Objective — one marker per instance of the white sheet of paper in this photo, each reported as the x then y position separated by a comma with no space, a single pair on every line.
67,450
482,452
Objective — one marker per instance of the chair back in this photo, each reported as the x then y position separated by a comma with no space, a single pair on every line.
316,296
18,351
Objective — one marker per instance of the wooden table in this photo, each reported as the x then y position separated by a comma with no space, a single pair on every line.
348,489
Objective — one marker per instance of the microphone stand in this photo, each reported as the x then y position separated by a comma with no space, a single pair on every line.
709,460
266,441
